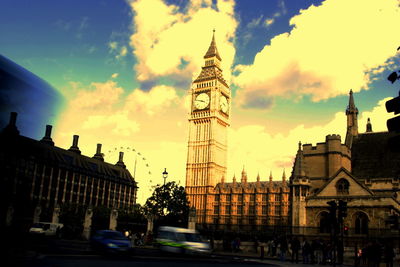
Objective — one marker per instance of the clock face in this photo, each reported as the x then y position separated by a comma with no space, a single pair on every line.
223,103
202,100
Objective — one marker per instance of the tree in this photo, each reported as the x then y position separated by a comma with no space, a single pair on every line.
169,205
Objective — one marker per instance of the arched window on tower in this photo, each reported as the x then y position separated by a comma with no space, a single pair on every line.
324,222
361,223
342,187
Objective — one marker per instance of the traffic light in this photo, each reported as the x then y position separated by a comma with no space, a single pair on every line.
393,105
332,210
346,230
342,210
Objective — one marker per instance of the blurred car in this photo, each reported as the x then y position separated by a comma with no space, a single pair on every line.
181,240
46,229
110,242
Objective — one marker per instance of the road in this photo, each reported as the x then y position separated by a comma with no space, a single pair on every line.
165,261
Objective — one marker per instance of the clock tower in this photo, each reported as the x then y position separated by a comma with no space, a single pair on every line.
208,125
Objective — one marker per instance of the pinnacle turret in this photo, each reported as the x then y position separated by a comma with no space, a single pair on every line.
212,50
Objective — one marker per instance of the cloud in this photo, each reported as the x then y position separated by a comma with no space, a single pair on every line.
330,49
103,112
119,123
99,96
157,99
269,22
255,22
113,46
261,152
165,35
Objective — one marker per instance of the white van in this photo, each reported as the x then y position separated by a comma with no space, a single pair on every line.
46,228
181,240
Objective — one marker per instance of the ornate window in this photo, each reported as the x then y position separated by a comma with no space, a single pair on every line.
342,187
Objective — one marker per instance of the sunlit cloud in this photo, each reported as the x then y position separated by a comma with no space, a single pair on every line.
165,36
261,152
330,49
269,22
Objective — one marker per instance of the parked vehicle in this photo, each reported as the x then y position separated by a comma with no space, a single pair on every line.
110,242
181,240
46,229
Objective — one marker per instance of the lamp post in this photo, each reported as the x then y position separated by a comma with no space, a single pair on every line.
165,175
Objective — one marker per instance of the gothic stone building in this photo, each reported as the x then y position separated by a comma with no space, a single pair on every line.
38,177
364,172
217,203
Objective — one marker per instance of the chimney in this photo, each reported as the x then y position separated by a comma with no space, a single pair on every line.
47,137
121,160
98,154
74,147
11,128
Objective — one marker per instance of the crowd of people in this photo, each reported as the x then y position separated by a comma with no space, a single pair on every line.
319,251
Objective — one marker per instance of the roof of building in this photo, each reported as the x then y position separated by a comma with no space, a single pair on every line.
252,185
212,50
14,144
209,73
376,155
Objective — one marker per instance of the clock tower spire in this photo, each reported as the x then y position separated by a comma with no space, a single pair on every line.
208,125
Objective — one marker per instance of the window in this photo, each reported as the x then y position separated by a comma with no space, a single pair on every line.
277,197
264,198
324,223
216,198
240,198
227,209
264,210
361,223
228,198
342,187
239,209
252,197
216,209
277,210
251,210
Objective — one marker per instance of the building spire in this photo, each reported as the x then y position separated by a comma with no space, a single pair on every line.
299,168
284,176
369,126
244,176
258,177
212,50
352,122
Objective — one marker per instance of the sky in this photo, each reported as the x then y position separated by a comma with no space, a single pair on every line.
124,69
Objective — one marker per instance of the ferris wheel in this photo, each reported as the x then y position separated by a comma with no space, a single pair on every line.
138,165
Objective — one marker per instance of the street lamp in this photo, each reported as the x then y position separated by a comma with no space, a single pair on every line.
165,175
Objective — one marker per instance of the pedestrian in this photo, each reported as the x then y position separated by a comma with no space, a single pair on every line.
306,249
295,246
283,247
389,254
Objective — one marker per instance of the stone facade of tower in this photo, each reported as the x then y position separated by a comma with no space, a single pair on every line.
224,205
208,123
364,172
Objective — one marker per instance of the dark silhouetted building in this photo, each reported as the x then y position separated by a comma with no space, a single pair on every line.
38,177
